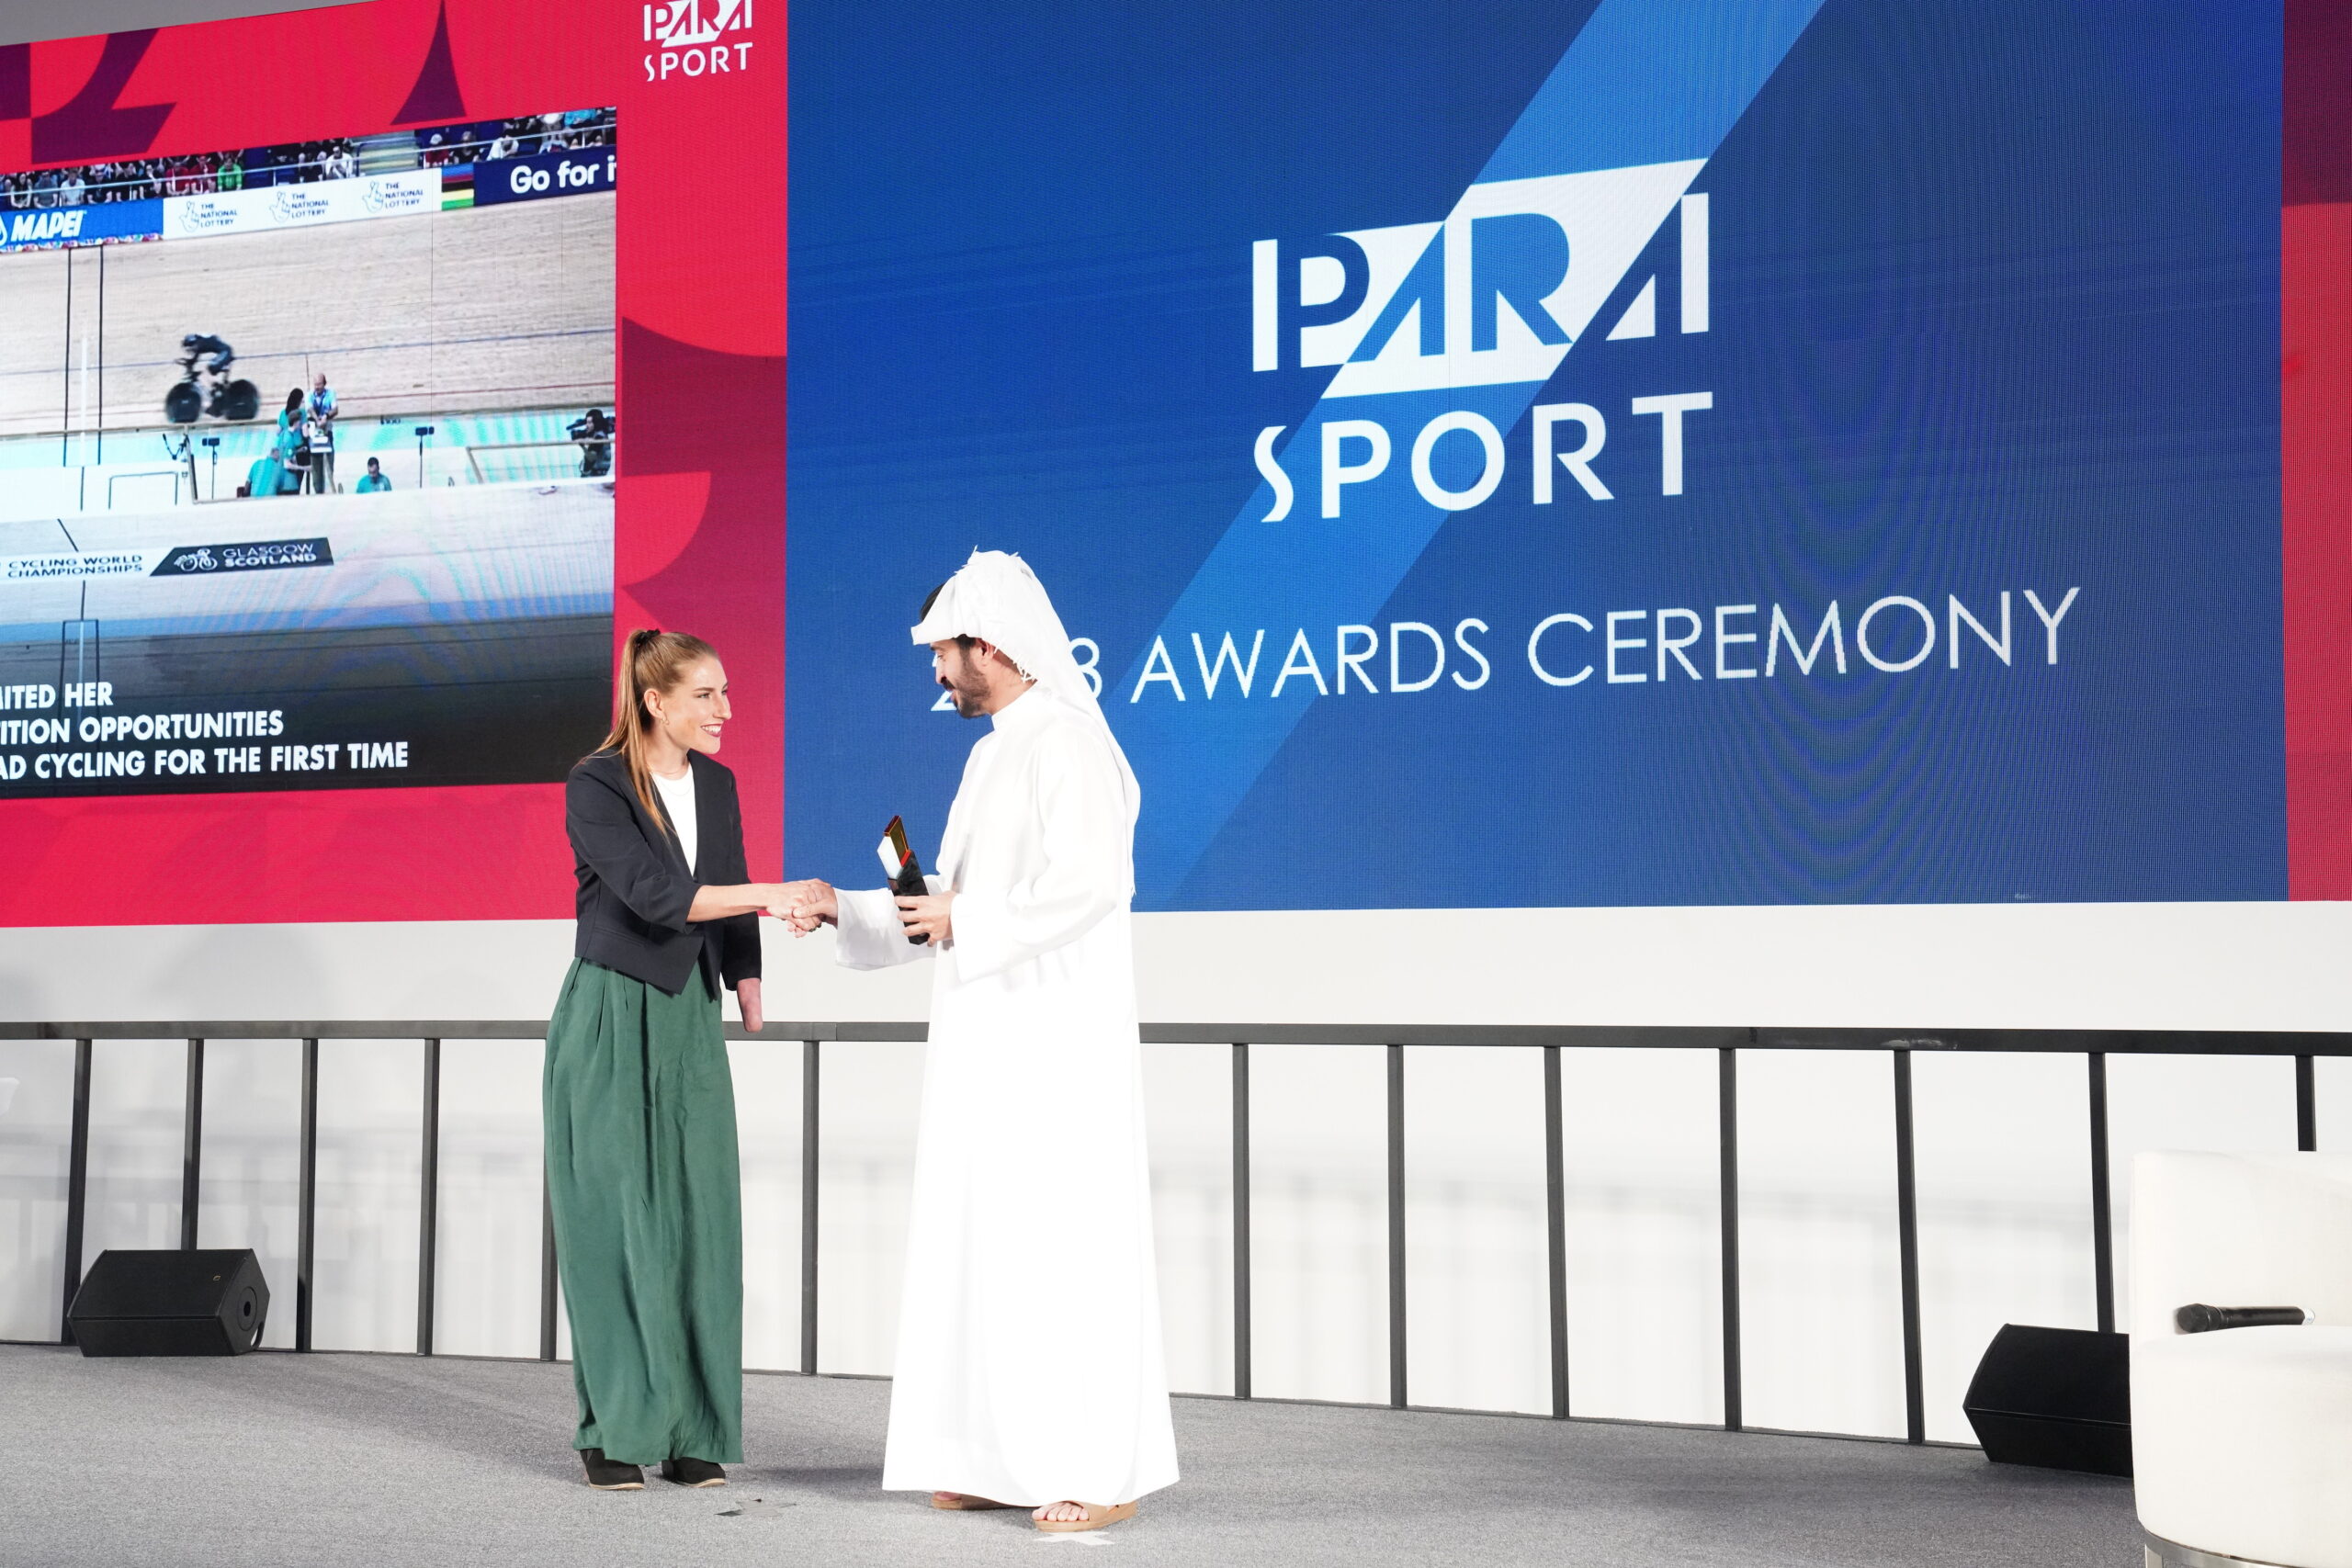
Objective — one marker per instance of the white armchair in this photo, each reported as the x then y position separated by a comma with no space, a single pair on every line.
2241,1439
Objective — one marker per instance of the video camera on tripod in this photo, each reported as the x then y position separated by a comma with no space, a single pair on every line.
594,430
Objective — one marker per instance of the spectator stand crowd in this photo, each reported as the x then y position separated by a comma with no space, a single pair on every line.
294,163
194,173
485,141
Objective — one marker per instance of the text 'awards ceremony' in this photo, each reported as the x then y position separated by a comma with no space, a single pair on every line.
1282,783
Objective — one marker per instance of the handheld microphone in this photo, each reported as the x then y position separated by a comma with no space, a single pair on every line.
2198,1318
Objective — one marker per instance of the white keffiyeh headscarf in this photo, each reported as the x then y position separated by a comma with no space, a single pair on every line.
996,597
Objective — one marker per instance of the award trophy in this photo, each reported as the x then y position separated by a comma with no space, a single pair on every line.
899,863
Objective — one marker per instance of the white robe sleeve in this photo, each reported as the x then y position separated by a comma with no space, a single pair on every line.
1086,868
871,936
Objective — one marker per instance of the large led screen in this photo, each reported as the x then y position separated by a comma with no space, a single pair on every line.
346,413
1748,452
405,575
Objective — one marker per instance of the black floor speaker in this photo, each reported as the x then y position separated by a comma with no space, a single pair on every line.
170,1303
2060,1398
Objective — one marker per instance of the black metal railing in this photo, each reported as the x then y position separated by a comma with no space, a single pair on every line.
2094,1046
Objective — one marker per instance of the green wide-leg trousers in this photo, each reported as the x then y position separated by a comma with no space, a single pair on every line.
648,1230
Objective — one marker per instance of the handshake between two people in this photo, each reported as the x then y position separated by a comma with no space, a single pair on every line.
805,906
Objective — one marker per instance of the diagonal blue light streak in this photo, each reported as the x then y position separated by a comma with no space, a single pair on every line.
1645,82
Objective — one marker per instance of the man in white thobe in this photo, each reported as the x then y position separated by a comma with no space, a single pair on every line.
1030,1369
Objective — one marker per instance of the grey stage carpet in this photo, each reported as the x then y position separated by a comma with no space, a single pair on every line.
329,1460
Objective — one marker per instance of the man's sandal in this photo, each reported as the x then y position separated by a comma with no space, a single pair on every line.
956,1501
1097,1516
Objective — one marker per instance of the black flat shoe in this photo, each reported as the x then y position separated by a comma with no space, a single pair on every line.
693,1472
607,1476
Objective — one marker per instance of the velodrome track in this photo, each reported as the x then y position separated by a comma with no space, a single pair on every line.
412,558
484,308
473,624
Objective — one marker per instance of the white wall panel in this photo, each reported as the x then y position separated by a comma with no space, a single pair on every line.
1639,1145
252,1164
1188,1104
371,1097
2003,1152
2227,1103
767,1121
36,1129
137,1092
871,1095
1319,1186
2224,966
437,969
2332,1099
1905,966
486,1267
1821,1305
1477,1261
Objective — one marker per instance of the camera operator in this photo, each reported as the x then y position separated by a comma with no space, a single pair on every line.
594,430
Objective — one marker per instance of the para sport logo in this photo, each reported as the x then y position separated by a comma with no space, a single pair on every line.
1495,294
1498,292
692,37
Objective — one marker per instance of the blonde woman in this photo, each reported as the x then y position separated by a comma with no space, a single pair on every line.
639,1104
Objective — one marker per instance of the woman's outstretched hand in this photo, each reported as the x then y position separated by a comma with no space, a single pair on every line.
806,906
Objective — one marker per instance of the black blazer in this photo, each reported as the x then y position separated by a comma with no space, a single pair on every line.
633,885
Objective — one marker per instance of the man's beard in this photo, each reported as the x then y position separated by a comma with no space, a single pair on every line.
966,698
